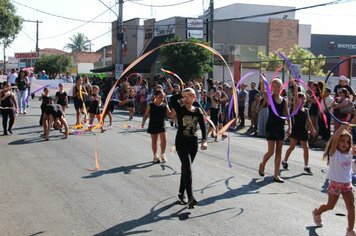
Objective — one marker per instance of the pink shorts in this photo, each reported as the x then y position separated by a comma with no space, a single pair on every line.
336,188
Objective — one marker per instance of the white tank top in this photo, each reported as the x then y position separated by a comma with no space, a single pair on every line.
340,167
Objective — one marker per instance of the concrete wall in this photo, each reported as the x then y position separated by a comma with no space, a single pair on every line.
240,10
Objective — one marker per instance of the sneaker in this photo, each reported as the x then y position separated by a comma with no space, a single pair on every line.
308,170
25,112
285,165
181,199
191,203
10,131
317,218
350,232
163,158
156,159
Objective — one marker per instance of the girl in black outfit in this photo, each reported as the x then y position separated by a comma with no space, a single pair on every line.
157,111
8,107
299,129
46,99
275,129
94,103
79,93
61,98
186,142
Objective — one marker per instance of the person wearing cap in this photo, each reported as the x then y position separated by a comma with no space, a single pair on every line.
43,75
343,84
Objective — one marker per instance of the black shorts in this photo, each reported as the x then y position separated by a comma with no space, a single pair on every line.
78,104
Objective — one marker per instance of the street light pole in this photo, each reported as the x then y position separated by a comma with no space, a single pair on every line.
211,32
119,34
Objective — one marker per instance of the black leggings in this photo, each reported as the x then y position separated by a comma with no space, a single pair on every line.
186,153
6,114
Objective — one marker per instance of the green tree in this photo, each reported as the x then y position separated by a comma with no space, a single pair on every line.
189,61
10,23
297,55
53,64
78,43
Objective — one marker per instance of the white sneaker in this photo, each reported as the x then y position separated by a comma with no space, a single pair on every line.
163,158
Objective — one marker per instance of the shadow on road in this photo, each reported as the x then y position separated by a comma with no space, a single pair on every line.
164,167
155,215
250,188
35,140
122,169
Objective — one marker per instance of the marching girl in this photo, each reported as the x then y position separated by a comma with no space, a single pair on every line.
299,130
157,111
275,128
186,141
61,98
8,107
131,105
94,101
79,92
214,115
338,154
46,99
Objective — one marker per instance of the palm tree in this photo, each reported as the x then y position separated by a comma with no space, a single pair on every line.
78,43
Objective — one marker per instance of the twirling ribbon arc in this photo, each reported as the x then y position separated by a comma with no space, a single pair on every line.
326,80
175,75
302,82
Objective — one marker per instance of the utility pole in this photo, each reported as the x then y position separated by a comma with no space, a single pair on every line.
119,34
211,31
37,22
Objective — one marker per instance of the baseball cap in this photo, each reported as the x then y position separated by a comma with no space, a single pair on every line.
342,78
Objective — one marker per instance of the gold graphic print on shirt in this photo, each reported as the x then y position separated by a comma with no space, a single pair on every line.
190,124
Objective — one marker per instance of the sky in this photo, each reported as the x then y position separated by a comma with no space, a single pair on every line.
54,32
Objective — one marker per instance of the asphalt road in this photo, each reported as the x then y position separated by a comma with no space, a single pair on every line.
46,189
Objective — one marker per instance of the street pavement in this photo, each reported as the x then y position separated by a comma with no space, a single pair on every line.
47,189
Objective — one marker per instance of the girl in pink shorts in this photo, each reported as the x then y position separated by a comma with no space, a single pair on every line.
339,154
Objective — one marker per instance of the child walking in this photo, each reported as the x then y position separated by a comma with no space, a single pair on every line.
46,99
61,98
188,117
338,154
157,111
8,107
299,130
94,107
275,129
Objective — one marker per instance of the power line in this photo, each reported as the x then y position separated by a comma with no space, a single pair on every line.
167,5
107,7
54,15
140,27
58,35
286,11
28,36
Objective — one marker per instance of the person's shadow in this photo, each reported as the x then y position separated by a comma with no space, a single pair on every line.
122,169
312,230
36,140
154,216
250,188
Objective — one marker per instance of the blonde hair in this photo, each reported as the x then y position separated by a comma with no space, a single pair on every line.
326,155
277,80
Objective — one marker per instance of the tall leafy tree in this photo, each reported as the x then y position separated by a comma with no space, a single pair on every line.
189,61
78,43
53,64
310,64
10,23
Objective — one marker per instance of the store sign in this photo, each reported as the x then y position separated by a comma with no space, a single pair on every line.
195,23
198,34
346,46
26,55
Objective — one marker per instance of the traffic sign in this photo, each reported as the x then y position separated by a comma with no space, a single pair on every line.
118,70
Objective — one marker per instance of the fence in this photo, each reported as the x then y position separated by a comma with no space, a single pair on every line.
315,69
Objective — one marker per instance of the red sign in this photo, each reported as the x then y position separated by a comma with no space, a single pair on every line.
26,55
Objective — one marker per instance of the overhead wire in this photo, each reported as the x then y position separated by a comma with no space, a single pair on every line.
58,35
167,5
54,15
